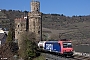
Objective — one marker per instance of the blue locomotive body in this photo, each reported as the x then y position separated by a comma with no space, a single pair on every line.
52,46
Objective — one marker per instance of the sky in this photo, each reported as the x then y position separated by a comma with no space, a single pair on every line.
66,7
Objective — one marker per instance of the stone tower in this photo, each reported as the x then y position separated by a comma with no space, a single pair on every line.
20,26
35,21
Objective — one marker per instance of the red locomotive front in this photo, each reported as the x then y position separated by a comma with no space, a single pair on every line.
66,47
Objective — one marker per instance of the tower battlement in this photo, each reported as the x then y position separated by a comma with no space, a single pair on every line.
35,6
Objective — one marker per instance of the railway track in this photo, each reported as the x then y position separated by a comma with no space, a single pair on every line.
77,57
50,56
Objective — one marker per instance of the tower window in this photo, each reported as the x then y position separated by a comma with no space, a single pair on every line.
37,9
18,26
38,32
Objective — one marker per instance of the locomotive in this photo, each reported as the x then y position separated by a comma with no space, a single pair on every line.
62,47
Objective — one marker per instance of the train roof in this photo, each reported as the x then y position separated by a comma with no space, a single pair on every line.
52,42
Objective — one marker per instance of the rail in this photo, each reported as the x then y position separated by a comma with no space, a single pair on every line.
82,54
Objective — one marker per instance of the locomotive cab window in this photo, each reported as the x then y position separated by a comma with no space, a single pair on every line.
67,45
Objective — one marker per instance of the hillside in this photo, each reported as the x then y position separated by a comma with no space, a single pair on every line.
4,21
76,28
9,16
